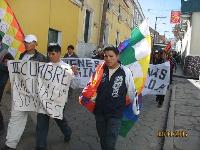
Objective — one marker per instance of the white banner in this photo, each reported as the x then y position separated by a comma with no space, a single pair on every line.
40,87
86,68
157,79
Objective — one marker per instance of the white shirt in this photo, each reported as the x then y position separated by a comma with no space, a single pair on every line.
27,56
111,72
75,82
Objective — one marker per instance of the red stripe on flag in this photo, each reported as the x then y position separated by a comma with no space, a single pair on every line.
9,10
19,35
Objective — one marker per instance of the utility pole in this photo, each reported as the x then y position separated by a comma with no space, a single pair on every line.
103,21
154,40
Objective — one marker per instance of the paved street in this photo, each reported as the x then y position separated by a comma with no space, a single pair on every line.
143,135
184,115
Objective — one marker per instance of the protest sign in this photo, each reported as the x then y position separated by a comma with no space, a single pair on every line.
40,87
157,79
86,68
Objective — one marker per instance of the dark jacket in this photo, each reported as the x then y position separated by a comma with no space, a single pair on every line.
73,55
4,74
111,95
158,61
36,57
3,67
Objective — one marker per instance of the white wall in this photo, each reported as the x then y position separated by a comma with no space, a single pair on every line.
195,37
184,45
84,50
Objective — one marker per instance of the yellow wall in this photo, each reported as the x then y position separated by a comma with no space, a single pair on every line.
95,6
124,26
37,16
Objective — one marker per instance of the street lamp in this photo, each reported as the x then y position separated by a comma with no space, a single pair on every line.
156,26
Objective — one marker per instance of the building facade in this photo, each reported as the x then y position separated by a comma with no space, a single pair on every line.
119,21
49,20
87,24
102,23
188,37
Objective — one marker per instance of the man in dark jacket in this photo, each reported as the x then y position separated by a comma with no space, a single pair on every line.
18,118
31,53
4,75
70,52
111,98
158,59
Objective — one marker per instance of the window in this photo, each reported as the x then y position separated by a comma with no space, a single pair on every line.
117,39
110,5
87,30
119,9
54,36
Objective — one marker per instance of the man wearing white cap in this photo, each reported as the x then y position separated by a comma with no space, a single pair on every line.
30,42
18,118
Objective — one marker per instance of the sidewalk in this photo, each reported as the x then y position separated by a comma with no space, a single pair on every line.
184,114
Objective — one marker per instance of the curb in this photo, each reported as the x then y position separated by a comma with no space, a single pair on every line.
185,77
169,141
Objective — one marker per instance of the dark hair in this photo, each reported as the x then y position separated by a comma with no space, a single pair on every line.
111,48
0,38
54,48
70,46
8,56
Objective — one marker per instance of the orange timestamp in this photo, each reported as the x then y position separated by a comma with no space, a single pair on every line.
176,133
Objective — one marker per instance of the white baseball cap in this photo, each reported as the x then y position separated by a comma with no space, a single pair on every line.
30,38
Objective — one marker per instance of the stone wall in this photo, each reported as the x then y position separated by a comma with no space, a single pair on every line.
192,66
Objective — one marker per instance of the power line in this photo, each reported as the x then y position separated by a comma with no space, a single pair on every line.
149,9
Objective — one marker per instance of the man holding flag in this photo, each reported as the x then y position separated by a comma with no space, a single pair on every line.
115,88
103,92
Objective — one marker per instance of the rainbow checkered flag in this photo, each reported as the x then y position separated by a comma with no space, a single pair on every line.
10,30
135,54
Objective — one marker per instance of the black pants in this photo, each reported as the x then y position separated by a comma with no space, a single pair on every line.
108,131
43,127
171,75
160,99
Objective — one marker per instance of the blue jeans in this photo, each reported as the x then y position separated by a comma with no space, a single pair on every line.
43,127
108,131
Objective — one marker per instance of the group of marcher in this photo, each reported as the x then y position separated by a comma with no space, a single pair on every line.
110,98
159,57
18,118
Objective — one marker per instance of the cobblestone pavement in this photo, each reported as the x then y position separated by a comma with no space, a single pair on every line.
184,115
143,135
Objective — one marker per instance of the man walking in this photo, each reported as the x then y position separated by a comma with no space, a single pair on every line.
54,55
18,118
